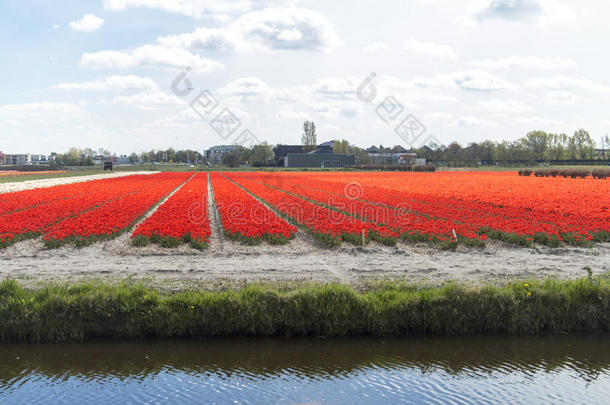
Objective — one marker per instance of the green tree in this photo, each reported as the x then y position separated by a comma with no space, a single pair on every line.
557,146
487,150
341,146
537,143
261,153
583,144
362,156
232,159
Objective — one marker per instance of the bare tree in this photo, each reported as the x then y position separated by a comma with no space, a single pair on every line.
308,139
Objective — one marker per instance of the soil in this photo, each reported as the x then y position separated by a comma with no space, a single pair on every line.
228,264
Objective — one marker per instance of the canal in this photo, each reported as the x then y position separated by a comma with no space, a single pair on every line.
479,370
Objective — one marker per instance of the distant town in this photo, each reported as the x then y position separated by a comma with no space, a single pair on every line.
537,147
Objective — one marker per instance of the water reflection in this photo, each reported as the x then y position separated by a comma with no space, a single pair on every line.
362,370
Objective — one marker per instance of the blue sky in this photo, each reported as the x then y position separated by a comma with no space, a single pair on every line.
99,73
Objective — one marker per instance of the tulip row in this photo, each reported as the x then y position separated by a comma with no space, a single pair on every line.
183,218
244,218
114,217
77,199
327,225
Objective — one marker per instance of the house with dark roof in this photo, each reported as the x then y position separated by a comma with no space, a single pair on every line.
216,153
394,156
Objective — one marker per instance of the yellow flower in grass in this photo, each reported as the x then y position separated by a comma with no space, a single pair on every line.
526,285
529,294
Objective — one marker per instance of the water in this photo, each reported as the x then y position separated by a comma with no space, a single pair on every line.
469,370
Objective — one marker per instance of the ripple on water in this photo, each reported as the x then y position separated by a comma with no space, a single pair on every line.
434,371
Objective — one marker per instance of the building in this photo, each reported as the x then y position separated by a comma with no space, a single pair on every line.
17,159
319,160
326,147
216,153
281,151
396,156
2,157
121,160
39,160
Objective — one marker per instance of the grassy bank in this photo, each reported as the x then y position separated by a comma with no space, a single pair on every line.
84,311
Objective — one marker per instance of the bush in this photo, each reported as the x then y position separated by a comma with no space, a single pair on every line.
600,173
424,168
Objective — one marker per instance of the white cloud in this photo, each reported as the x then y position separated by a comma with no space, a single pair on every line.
247,88
439,116
476,80
480,80
509,10
502,107
560,98
120,83
150,56
333,110
149,101
528,62
191,8
541,121
567,83
429,48
88,23
545,12
377,47
183,119
292,115
472,121
290,28
412,91
40,111
214,39
340,88
326,88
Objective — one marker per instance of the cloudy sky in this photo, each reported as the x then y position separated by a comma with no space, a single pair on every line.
130,75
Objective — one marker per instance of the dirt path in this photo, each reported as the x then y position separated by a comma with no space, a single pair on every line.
31,184
218,237
31,264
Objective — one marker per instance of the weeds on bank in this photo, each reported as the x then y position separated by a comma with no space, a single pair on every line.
92,310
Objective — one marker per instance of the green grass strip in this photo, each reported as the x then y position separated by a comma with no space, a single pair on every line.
94,310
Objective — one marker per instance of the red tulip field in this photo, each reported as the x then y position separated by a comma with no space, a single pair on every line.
443,209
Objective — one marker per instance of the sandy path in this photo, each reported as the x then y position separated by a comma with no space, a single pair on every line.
31,184
232,265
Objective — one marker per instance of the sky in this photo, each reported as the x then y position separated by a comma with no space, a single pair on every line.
133,75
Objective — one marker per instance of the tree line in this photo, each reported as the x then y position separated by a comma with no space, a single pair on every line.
536,146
